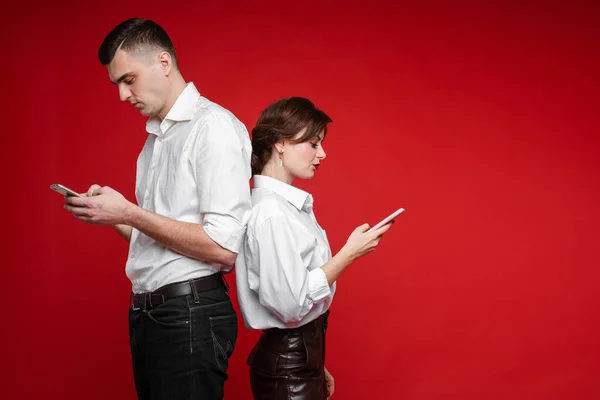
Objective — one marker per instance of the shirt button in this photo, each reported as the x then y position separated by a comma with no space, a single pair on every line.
132,255
153,167
147,198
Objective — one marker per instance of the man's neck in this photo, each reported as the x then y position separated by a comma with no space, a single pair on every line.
177,88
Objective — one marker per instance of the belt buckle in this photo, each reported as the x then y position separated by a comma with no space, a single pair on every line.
133,307
132,302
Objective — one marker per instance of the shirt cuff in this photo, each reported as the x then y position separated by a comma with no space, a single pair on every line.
229,237
318,287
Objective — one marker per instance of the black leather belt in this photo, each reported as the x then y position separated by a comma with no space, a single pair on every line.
148,300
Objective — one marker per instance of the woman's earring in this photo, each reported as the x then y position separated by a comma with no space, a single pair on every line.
281,159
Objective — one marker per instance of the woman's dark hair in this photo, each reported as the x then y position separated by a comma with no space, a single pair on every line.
134,34
285,119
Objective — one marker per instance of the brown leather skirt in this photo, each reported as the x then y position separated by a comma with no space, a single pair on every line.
289,363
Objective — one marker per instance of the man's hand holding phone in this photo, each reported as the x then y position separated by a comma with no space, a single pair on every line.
99,206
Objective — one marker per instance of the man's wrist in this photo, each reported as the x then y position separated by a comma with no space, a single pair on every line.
130,214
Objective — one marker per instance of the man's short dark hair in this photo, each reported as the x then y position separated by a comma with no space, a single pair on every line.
135,34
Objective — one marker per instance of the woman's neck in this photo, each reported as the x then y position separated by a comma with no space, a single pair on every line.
276,172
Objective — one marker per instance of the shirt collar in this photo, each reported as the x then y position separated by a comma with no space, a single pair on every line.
182,110
297,197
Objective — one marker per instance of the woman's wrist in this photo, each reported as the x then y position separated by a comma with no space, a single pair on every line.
347,255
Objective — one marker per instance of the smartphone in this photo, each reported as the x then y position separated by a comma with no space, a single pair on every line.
65,191
387,219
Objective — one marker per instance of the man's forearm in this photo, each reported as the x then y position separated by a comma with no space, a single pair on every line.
124,231
189,239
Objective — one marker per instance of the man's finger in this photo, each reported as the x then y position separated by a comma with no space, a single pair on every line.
77,211
93,190
76,201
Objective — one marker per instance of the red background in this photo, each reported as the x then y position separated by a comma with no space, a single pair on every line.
480,119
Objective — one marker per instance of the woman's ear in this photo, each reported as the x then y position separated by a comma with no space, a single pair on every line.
279,146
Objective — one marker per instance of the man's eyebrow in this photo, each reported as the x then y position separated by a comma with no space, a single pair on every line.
123,77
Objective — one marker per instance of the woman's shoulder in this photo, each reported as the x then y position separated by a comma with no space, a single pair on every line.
267,205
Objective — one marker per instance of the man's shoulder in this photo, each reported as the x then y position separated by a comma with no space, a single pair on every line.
207,109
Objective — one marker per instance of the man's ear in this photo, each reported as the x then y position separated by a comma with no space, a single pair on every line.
166,62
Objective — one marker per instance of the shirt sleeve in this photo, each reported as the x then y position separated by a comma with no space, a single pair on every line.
223,174
278,272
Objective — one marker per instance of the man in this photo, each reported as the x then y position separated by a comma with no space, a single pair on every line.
192,187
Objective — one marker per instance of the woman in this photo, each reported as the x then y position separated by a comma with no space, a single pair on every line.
285,273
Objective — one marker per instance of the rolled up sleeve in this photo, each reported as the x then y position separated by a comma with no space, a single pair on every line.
223,174
285,286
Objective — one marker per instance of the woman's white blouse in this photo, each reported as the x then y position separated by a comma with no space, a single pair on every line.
279,280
